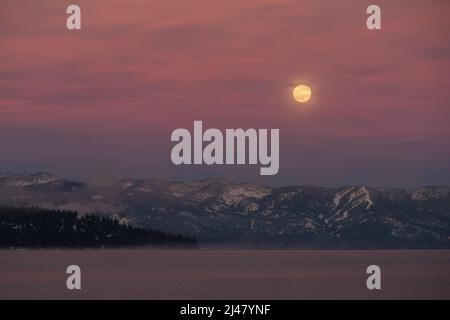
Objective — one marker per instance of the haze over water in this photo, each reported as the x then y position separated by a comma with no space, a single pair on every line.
224,274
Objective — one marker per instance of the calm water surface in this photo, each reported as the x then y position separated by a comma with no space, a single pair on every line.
224,274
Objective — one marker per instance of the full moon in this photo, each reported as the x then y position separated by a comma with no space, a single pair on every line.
302,93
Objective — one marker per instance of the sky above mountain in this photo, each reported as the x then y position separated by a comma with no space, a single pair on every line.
103,101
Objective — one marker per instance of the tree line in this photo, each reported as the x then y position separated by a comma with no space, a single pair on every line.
45,228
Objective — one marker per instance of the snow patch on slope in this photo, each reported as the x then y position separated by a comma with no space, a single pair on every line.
236,194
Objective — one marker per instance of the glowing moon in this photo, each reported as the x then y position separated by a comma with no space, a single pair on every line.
302,93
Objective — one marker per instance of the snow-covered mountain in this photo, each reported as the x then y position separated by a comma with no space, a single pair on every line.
222,211
26,180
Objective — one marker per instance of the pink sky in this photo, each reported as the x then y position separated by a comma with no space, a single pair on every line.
102,102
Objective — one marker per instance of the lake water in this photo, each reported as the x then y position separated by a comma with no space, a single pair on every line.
224,274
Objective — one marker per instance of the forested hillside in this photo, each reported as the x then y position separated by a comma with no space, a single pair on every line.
43,228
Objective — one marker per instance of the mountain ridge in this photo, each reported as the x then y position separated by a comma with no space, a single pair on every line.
221,211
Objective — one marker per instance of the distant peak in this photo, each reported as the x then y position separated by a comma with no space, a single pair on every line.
27,179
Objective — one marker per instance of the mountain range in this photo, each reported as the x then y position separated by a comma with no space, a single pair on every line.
223,213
